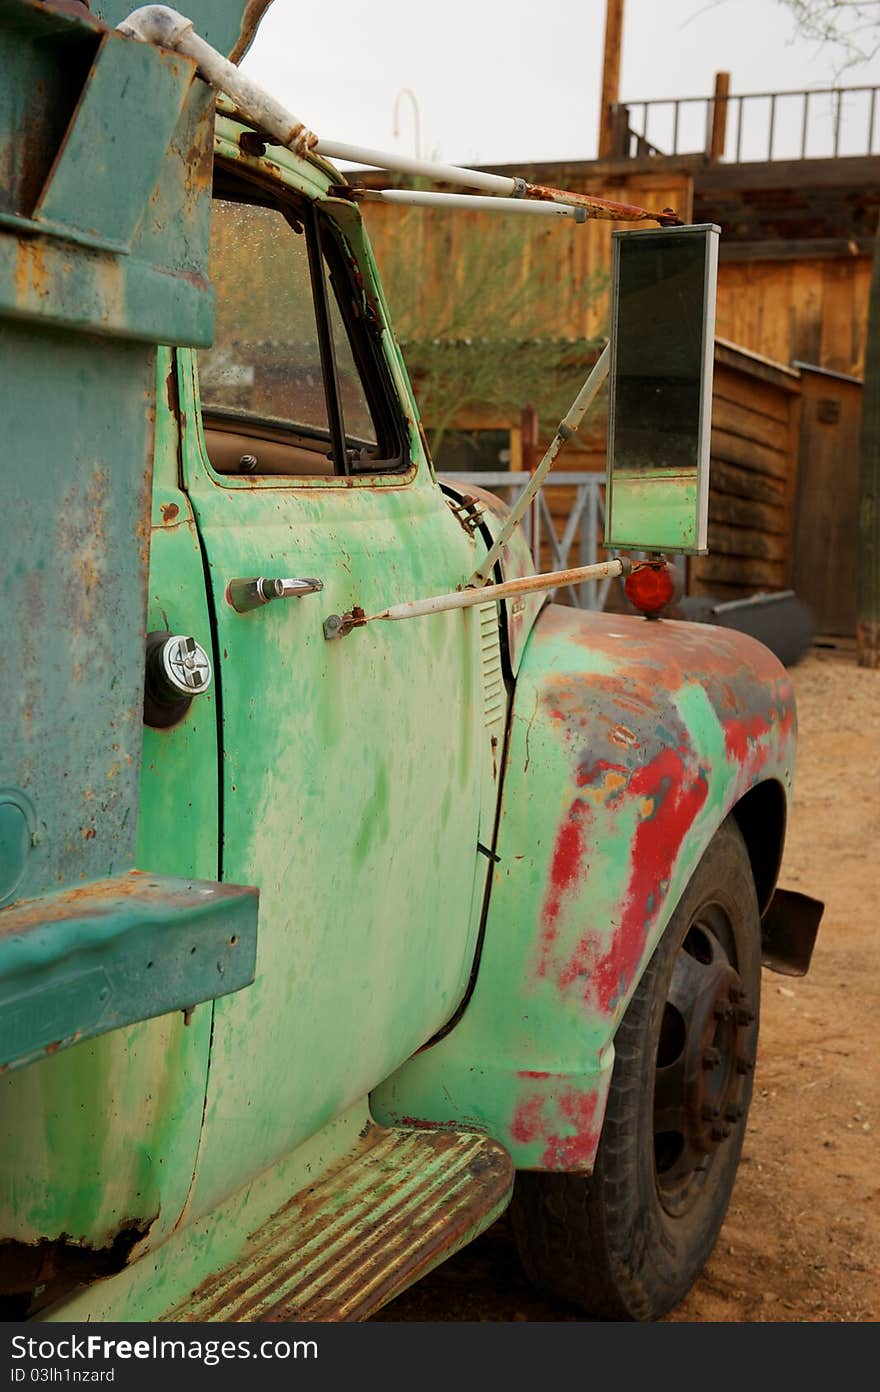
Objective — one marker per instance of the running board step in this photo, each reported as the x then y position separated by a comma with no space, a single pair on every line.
388,1213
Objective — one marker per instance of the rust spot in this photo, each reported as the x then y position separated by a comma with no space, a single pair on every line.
253,13
421,1124
100,895
89,833
650,765
169,512
603,208
252,143
328,1283
58,1264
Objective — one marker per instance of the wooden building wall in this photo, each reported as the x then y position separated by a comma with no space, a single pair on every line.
812,310
568,254
824,567
775,298
753,477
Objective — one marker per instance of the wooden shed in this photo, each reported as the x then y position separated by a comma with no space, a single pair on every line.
824,561
753,480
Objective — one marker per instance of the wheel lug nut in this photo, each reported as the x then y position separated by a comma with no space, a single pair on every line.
711,1058
734,1112
744,1016
709,1113
722,1010
745,1065
719,1133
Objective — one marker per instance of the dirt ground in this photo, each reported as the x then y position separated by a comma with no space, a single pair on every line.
802,1236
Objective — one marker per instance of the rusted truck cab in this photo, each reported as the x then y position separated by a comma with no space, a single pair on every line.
512,859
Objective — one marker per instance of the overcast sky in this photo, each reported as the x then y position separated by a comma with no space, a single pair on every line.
507,80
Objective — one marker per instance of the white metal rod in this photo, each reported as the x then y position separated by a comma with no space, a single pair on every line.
500,184
159,24
419,198
564,431
529,584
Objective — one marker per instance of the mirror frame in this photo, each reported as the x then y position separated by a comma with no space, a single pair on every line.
656,512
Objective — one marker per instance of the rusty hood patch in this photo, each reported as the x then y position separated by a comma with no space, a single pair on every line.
666,727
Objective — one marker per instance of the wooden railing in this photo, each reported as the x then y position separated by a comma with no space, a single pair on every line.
803,123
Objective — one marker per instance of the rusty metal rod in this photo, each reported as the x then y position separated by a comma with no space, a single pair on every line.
483,594
564,431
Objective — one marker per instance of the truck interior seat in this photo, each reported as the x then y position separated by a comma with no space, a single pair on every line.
274,453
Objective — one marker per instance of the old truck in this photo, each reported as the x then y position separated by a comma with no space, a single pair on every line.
319,930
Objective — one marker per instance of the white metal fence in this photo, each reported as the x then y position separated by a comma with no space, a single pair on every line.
578,544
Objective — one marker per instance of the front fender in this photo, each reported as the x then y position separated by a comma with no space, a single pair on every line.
630,743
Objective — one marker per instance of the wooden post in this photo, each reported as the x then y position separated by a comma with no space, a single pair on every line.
610,75
868,624
718,132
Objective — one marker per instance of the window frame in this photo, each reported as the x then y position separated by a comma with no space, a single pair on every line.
331,262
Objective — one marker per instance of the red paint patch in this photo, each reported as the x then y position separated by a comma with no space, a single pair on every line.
563,1123
576,1151
564,870
527,1124
741,736
678,793
592,771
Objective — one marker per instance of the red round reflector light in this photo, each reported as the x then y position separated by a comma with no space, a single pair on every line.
650,586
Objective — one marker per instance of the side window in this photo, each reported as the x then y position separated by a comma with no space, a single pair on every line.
283,390
266,358
360,428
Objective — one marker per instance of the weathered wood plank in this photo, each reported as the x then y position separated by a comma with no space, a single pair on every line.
805,311
719,589
747,512
796,249
745,483
753,573
736,386
738,418
743,541
749,454
837,318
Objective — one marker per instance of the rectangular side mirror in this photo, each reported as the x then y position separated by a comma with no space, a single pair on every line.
660,410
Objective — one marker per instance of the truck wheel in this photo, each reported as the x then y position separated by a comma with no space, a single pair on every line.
629,1241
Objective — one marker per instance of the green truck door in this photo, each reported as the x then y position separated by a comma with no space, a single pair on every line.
351,770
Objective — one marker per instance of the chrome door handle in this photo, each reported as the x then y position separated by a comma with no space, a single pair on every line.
251,593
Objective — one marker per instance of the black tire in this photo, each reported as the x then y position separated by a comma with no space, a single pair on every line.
629,1241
